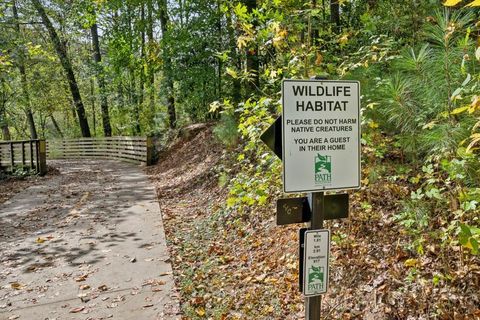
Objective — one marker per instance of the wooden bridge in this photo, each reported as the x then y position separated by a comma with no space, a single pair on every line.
32,154
131,149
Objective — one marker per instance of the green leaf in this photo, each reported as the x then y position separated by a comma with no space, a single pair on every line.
240,10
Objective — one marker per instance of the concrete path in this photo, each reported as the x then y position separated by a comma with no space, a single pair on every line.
86,244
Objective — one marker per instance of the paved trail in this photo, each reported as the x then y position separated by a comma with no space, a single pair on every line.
87,244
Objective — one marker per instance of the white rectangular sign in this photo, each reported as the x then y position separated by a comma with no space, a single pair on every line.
315,264
321,135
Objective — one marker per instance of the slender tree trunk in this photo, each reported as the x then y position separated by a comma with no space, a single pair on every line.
43,125
141,87
6,132
237,87
23,77
3,124
135,95
61,50
107,128
135,102
141,83
92,103
151,74
315,25
253,64
167,66
220,48
335,13
55,125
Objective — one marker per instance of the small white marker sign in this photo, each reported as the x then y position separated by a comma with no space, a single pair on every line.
321,135
315,265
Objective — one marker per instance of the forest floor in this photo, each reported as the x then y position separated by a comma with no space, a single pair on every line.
242,266
85,243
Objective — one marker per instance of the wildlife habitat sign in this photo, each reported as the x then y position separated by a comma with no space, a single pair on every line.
321,135
316,257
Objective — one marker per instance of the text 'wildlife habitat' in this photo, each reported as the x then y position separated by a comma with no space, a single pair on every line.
321,132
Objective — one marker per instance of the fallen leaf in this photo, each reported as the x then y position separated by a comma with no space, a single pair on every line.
103,287
83,277
410,262
200,311
77,310
16,285
40,240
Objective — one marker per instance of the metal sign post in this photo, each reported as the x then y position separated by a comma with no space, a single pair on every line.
313,305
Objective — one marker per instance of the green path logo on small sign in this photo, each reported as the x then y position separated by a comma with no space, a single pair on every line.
316,278
323,170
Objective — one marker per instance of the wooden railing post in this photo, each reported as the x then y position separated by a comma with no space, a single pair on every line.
23,155
42,161
12,156
150,148
31,154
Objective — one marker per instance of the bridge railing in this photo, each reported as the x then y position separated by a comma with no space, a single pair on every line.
23,154
131,149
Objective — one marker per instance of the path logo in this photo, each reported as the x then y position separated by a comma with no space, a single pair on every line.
323,170
315,278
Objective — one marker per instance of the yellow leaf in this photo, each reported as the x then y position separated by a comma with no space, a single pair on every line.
232,73
475,3
468,245
451,3
460,110
200,311
40,240
429,125
319,59
411,262
343,39
373,125
242,42
231,202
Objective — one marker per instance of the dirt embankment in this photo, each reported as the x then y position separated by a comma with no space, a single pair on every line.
230,265
226,267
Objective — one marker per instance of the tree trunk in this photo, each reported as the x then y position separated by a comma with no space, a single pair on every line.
220,49
335,13
6,133
253,64
56,126
107,128
67,67
3,124
141,86
167,66
23,77
92,103
151,74
237,87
